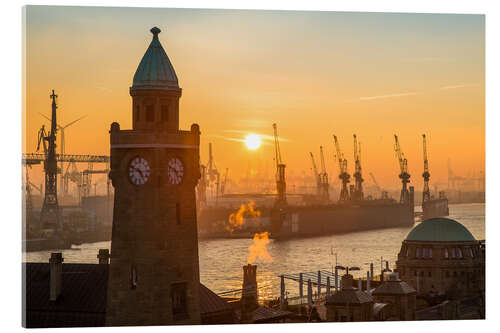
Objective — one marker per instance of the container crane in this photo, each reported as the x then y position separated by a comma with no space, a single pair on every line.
280,170
404,175
358,188
323,177
343,175
426,193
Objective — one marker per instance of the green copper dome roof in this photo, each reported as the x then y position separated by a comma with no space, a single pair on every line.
440,230
155,70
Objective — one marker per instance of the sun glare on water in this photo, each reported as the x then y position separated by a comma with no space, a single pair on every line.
253,141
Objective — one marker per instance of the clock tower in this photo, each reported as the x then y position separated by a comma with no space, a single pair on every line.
154,271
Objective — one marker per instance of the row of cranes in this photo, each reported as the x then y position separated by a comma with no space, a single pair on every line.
353,192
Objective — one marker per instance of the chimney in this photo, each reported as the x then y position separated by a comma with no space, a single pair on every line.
346,282
249,294
55,261
103,256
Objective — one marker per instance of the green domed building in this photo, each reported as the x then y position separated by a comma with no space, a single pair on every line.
441,256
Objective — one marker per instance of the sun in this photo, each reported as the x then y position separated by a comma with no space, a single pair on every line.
253,141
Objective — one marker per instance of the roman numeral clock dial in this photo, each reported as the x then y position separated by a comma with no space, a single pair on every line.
138,171
175,171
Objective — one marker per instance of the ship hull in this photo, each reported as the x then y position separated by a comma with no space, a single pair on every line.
339,219
435,208
309,221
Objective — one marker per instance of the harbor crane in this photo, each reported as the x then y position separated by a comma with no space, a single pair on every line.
343,175
202,185
358,188
212,172
280,170
426,193
50,215
404,175
224,182
316,175
324,177
62,150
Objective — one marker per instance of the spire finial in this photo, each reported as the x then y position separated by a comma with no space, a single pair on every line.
155,31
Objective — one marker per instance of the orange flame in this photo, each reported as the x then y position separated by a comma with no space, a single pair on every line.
237,219
258,250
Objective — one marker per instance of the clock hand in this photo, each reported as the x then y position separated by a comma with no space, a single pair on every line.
140,171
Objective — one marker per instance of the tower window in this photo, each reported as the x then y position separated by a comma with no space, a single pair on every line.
133,277
179,300
445,253
164,113
430,252
417,252
178,213
150,113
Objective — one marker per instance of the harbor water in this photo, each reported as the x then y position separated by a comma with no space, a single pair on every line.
221,260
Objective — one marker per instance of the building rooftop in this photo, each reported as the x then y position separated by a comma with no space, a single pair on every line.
440,230
394,286
82,302
155,70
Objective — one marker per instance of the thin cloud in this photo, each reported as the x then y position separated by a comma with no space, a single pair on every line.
458,86
428,59
369,98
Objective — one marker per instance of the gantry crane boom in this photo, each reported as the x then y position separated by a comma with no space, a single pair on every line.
404,175
343,175
426,193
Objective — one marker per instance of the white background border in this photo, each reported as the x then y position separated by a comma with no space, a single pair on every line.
11,135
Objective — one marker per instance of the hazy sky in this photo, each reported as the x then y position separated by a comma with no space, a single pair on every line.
313,73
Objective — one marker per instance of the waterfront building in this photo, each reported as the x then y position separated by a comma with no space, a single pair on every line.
349,303
441,257
400,297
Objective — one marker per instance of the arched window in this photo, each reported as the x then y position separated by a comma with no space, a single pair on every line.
459,253
417,252
430,252
445,253
424,252
452,252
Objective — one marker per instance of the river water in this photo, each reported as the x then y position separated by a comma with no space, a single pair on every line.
221,261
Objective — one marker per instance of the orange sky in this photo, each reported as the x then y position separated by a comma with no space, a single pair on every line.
313,73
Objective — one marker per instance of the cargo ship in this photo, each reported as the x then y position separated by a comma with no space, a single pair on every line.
291,221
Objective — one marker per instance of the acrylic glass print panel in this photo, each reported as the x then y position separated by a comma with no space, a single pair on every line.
199,166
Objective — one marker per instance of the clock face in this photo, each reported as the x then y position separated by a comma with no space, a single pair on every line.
138,171
175,171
